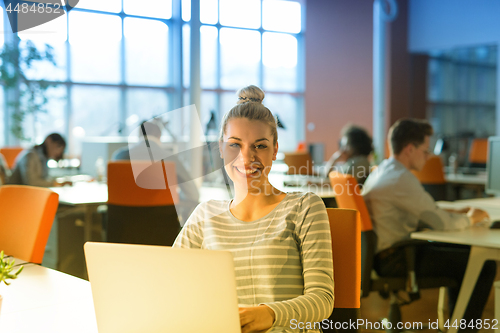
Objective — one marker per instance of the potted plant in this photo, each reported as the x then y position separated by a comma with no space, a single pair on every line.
6,272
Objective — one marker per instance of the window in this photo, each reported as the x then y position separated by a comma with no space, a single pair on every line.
119,63
252,42
461,95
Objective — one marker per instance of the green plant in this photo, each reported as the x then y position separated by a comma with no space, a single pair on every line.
28,96
6,268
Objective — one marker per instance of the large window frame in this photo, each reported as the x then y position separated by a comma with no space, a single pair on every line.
176,90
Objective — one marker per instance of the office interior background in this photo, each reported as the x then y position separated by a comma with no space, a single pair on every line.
124,61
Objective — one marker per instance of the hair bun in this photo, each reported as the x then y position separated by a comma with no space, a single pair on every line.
250,93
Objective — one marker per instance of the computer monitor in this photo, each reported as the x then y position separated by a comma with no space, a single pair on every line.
493,166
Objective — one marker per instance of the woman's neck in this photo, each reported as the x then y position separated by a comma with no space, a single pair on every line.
249,205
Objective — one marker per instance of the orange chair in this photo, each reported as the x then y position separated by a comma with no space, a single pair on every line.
10,154
347,194
141,207
346,247
299,163
26,216
432,177
478,152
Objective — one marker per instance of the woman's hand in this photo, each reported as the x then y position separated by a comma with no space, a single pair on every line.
256,318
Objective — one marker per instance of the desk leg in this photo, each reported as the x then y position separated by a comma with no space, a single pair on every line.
477,257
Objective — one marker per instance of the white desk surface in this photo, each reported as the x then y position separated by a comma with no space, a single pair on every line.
82,193
485,245
48,301
476,236
478,179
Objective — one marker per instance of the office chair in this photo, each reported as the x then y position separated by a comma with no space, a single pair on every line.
10,154
347,195
26,216
345,229
142,215
432,178
299,163
478,153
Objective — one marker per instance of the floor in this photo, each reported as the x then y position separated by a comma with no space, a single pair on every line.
373,308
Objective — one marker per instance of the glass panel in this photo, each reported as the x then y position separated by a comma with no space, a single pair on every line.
95,112
208,106
144,104
208,56
239,65
45,69
146,51
95,48
285,107
281,16
186,39
150,8
186,10
227,101
54,33
37,127
279,55
2,35
240,13
114,6
209,11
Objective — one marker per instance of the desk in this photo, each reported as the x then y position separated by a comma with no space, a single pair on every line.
475,182
479,179
46,301
83,196
88,196
484,242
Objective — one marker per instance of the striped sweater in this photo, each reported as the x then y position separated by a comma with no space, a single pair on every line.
282,260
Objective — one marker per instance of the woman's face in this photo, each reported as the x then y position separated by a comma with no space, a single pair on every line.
54,150
248,152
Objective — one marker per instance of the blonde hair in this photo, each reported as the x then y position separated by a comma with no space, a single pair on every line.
249,106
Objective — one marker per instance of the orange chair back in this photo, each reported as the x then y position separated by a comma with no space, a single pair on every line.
26,216
348,196
148,187
10,154
299,163
432,172
345,229
478,152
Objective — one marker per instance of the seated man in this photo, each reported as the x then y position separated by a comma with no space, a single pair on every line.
397,202
189,194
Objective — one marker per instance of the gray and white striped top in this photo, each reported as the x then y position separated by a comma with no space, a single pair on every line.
283,260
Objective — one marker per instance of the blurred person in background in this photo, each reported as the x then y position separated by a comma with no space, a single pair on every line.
31,168
352,157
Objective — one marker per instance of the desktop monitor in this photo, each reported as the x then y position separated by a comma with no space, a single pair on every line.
493,166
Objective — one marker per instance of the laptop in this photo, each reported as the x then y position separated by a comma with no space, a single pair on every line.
142,288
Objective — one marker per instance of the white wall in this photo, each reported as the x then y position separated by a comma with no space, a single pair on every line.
445,24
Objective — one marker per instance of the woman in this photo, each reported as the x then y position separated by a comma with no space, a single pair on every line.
280,241
31,165
352,157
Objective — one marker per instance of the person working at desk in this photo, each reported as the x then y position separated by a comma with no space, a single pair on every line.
281,242
31,167
189,194
352,157
397,202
